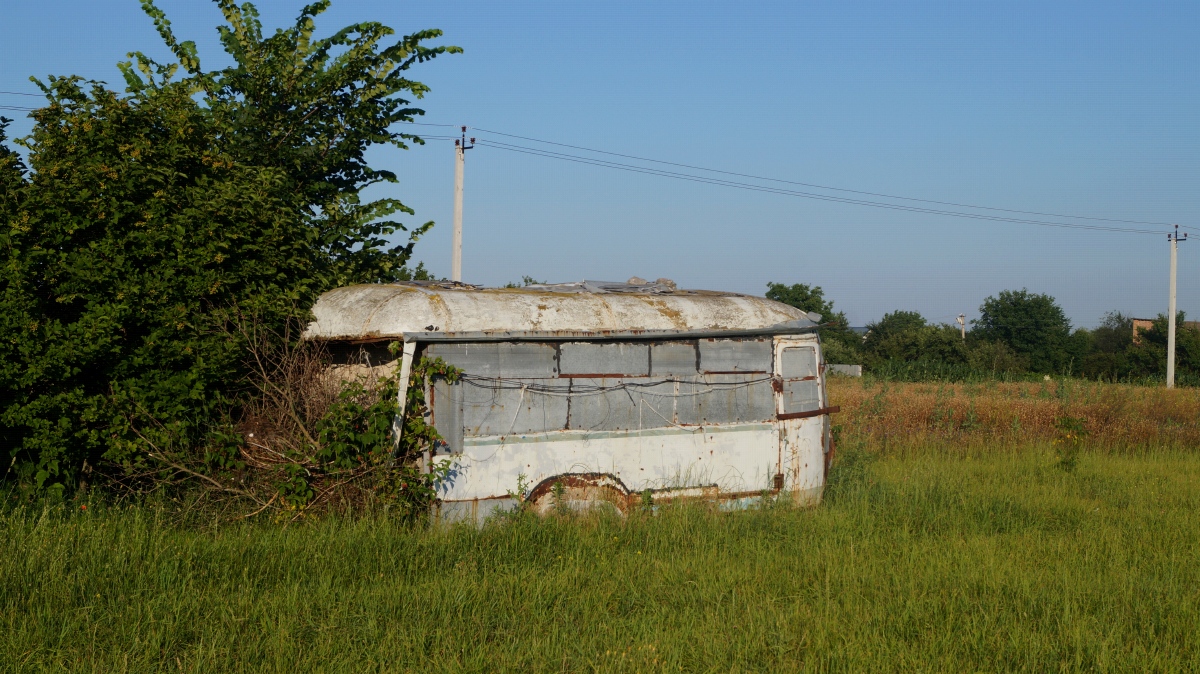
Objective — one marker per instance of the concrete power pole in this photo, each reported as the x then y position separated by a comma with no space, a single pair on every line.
460,152
962,323
1174,239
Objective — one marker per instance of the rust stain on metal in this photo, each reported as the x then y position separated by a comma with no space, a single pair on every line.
365,339
581,490
609,375
812,413
672,314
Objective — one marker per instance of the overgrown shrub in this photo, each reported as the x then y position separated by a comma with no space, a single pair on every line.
317,435
996,357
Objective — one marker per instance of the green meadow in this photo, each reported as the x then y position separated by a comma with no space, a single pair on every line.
932,561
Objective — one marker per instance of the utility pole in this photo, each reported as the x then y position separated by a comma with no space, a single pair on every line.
962,323
460,152
1174,239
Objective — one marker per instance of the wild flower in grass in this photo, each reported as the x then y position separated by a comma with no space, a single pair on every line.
1071,433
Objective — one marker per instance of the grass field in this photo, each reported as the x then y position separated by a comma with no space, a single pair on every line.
970,550
884,414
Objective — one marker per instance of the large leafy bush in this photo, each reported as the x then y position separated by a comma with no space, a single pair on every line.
151,220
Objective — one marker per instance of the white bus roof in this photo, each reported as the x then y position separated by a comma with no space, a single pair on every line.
438,311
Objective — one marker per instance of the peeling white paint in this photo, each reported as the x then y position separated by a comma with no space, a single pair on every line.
380,311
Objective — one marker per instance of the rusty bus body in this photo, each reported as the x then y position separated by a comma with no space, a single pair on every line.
607,394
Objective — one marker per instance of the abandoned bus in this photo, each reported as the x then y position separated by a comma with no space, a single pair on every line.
598,393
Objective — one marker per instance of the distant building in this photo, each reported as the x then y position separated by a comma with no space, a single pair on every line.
1141,325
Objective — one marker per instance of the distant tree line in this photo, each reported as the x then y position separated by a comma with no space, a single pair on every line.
1018,332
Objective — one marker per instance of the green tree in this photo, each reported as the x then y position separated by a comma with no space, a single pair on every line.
1079,345
1032,325
1107,355
905,336
417,273
1115,333
812,299
995,357
892,324
805,298
150,220
934,343
1149,355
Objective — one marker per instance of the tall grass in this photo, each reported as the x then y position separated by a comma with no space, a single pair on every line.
994,561
991,415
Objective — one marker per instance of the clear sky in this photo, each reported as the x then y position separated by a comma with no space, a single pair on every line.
1085,108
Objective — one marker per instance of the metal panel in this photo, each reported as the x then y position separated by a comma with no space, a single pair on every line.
508,408
844,370
801,396
673,462
725,399
673,359
619,409
589,358
476,511
798,362
735,355
448,414
498,359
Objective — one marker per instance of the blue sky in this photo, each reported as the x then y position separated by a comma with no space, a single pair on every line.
1084,108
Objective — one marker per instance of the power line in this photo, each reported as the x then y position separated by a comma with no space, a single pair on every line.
19,93
823,187
796,193
761,188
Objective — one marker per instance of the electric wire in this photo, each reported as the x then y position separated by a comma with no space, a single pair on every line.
823,187
797,193
19,93
762,188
